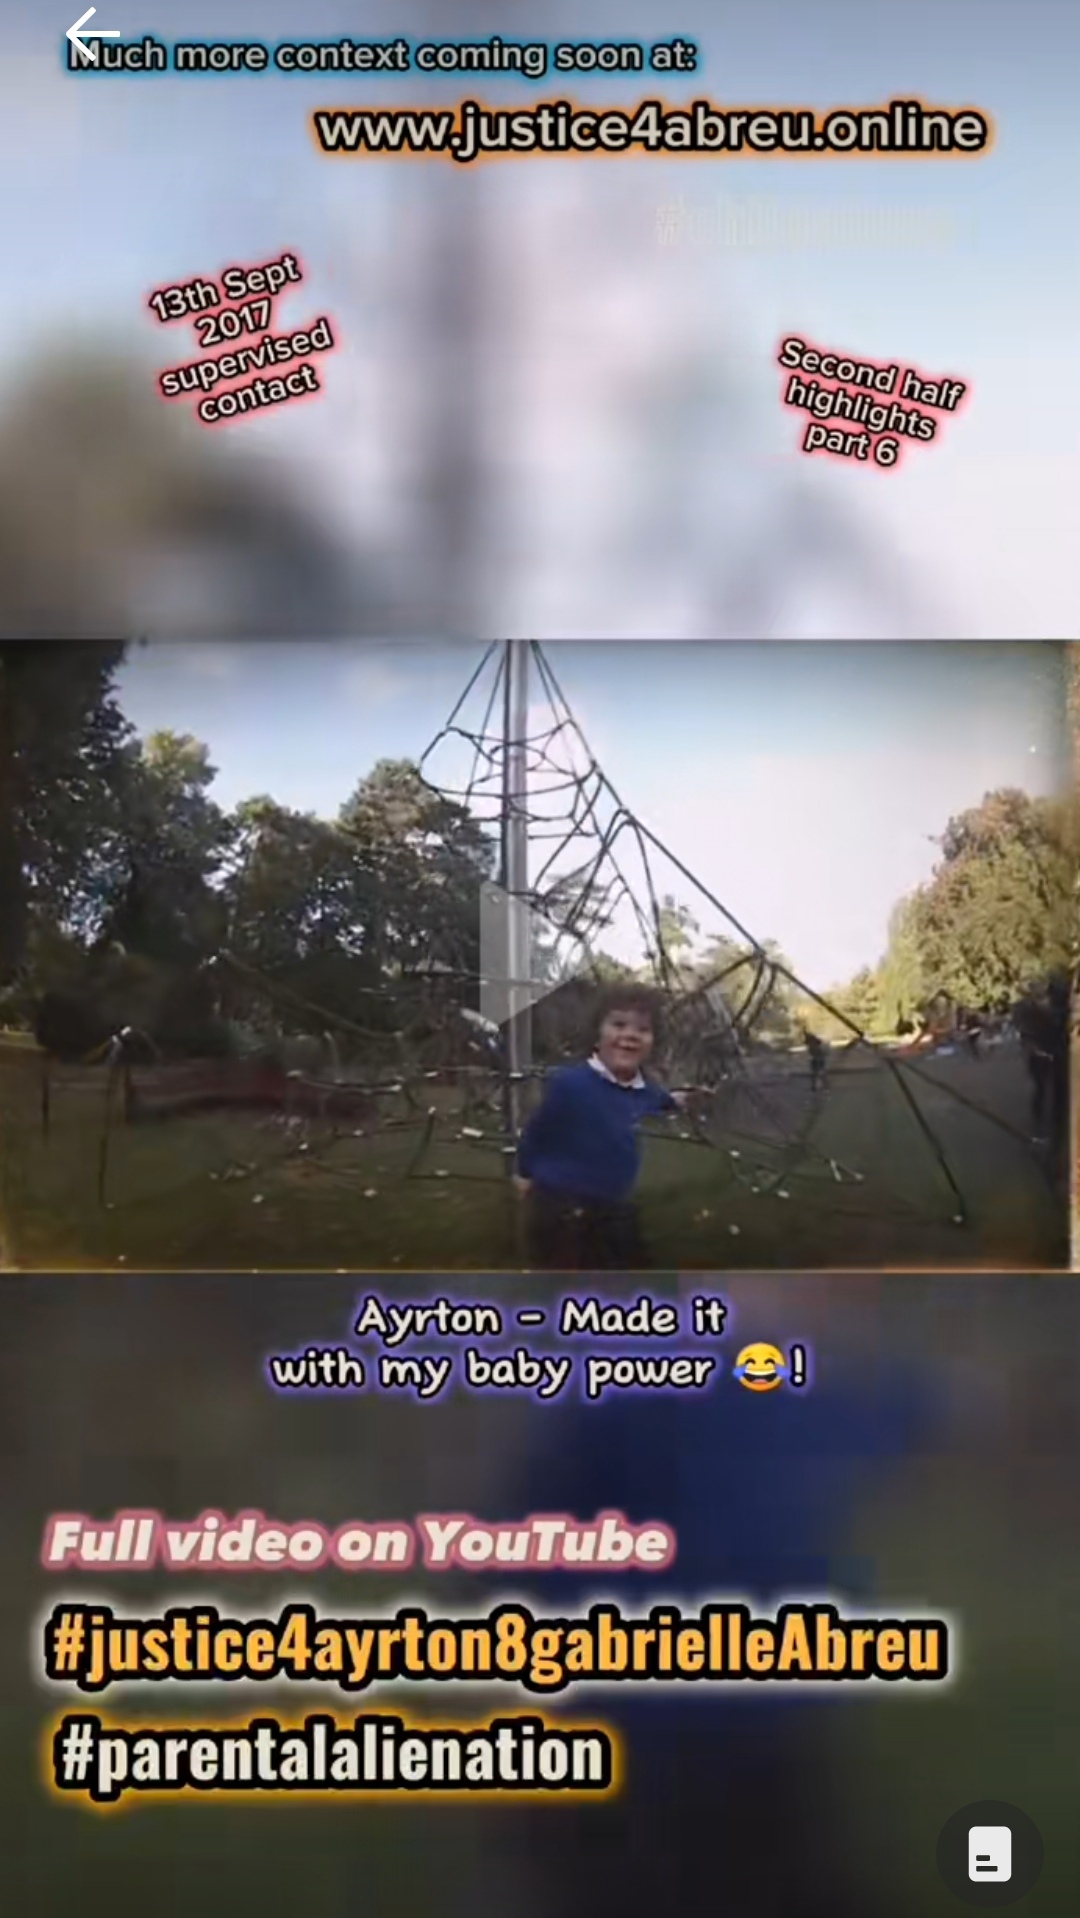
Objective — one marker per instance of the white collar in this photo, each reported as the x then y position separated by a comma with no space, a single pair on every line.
637,1084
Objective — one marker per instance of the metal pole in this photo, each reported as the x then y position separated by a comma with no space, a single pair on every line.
516,878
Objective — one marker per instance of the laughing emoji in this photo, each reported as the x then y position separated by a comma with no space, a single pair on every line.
761,1368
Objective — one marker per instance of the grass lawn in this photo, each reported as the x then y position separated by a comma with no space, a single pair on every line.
227,1190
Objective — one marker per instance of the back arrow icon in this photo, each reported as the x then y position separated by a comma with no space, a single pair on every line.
100,33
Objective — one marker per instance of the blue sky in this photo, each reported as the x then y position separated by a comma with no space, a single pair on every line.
802,784
132,183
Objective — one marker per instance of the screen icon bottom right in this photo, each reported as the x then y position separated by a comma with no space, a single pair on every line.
990,1854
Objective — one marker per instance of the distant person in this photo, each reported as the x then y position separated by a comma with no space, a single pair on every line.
579,1154
818,1054
1042,1021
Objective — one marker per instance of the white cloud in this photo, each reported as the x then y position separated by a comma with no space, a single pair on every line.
373,682
205,659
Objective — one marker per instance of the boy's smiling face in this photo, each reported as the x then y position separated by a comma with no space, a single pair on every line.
625,1042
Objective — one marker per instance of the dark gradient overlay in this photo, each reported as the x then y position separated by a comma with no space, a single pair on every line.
931,1465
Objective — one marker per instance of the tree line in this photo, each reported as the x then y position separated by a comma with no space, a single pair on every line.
996,919
121,877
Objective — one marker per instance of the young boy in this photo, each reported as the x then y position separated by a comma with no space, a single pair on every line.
578,1156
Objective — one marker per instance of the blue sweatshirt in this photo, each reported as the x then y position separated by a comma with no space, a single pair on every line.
582,1140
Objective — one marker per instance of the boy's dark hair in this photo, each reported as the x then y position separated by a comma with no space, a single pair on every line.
627,997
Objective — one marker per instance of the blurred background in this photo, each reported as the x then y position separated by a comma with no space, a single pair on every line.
555,408
932,1465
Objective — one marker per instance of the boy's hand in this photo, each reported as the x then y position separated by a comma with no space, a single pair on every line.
522,1186
690,1099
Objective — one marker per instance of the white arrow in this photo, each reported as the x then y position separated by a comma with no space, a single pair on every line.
100,33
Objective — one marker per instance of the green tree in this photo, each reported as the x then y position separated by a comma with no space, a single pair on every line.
675,931
428,858
858,1002
171,842
62,739
346,912
860,999
998,913
677,926
755,984
302,912
902,978
722,955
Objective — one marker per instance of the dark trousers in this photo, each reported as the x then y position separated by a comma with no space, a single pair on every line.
567,1234
1049,1095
